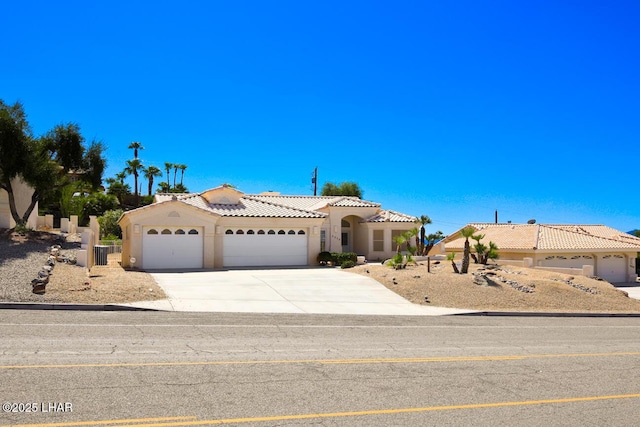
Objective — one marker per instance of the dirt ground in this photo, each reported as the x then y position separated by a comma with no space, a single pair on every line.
511,289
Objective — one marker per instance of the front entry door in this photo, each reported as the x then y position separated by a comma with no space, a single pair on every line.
346,247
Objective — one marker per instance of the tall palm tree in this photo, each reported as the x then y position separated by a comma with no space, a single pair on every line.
423,220
149,173
133,168
136,146
175,172
182,168
167,167
466,233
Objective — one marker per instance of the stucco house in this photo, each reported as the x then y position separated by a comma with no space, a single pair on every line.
22,193
224,227
608,253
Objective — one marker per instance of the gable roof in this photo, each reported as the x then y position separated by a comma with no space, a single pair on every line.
274,205
549,237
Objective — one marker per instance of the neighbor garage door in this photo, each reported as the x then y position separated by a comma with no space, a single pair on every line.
172,247
612,268
269,247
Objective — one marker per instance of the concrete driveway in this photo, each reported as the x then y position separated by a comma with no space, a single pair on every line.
305,290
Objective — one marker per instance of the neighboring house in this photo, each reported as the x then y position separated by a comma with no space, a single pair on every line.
611,253
22,193
224,227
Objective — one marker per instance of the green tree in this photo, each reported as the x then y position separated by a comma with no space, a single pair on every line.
182,169
149,173
118,189
424,220
451,257
109,223
22,156
135,145
344,189
65,142
431,240
175,172
94,164
133,168
121,176
466,233
168,166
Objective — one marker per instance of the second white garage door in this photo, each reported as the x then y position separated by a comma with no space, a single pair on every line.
269,247
612,268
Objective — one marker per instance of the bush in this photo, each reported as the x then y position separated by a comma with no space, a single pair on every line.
347,264
109,223
339,257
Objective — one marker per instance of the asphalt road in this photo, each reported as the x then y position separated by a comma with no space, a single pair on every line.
184,369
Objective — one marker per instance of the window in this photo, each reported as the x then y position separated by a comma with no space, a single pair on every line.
301,232
193,231
281,232
152,231
166,231
291,232
239,232
271,232
346,223
260,231
251,232
378,240
323,240
228,232
180,231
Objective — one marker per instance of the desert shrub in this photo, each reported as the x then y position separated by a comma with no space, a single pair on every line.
347,264
339,257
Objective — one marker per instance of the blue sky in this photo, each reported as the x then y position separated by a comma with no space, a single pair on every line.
449,109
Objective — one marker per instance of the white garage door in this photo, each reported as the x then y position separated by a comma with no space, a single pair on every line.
172,247
612,268
269,247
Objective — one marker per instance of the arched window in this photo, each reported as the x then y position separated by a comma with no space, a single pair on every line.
291,232
271,232
260,231
281,232
301,232
180,231
193,231
346,223
251,232
240,232
166,231
228,232
152,231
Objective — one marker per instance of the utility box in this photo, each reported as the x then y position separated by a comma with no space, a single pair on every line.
100,254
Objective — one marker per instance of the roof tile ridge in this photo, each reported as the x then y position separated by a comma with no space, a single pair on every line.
246,196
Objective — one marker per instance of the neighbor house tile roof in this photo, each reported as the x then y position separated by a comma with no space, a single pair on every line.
549,237
283,206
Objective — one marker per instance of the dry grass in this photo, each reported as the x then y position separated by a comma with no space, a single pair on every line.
103,285
550,293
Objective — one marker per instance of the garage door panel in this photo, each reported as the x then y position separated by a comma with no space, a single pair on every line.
241,250
612,268
178,248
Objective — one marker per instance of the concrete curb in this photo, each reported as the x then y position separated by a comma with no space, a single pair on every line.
76,307
116,307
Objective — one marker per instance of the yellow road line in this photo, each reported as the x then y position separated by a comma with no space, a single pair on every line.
105,422
327,361
351,413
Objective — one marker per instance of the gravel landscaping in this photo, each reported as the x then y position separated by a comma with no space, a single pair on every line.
22,257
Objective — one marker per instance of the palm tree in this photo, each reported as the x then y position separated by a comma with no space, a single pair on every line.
136,146
424,220
175,172
133,168
149,173
466,233
121,176
167,167
182,168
